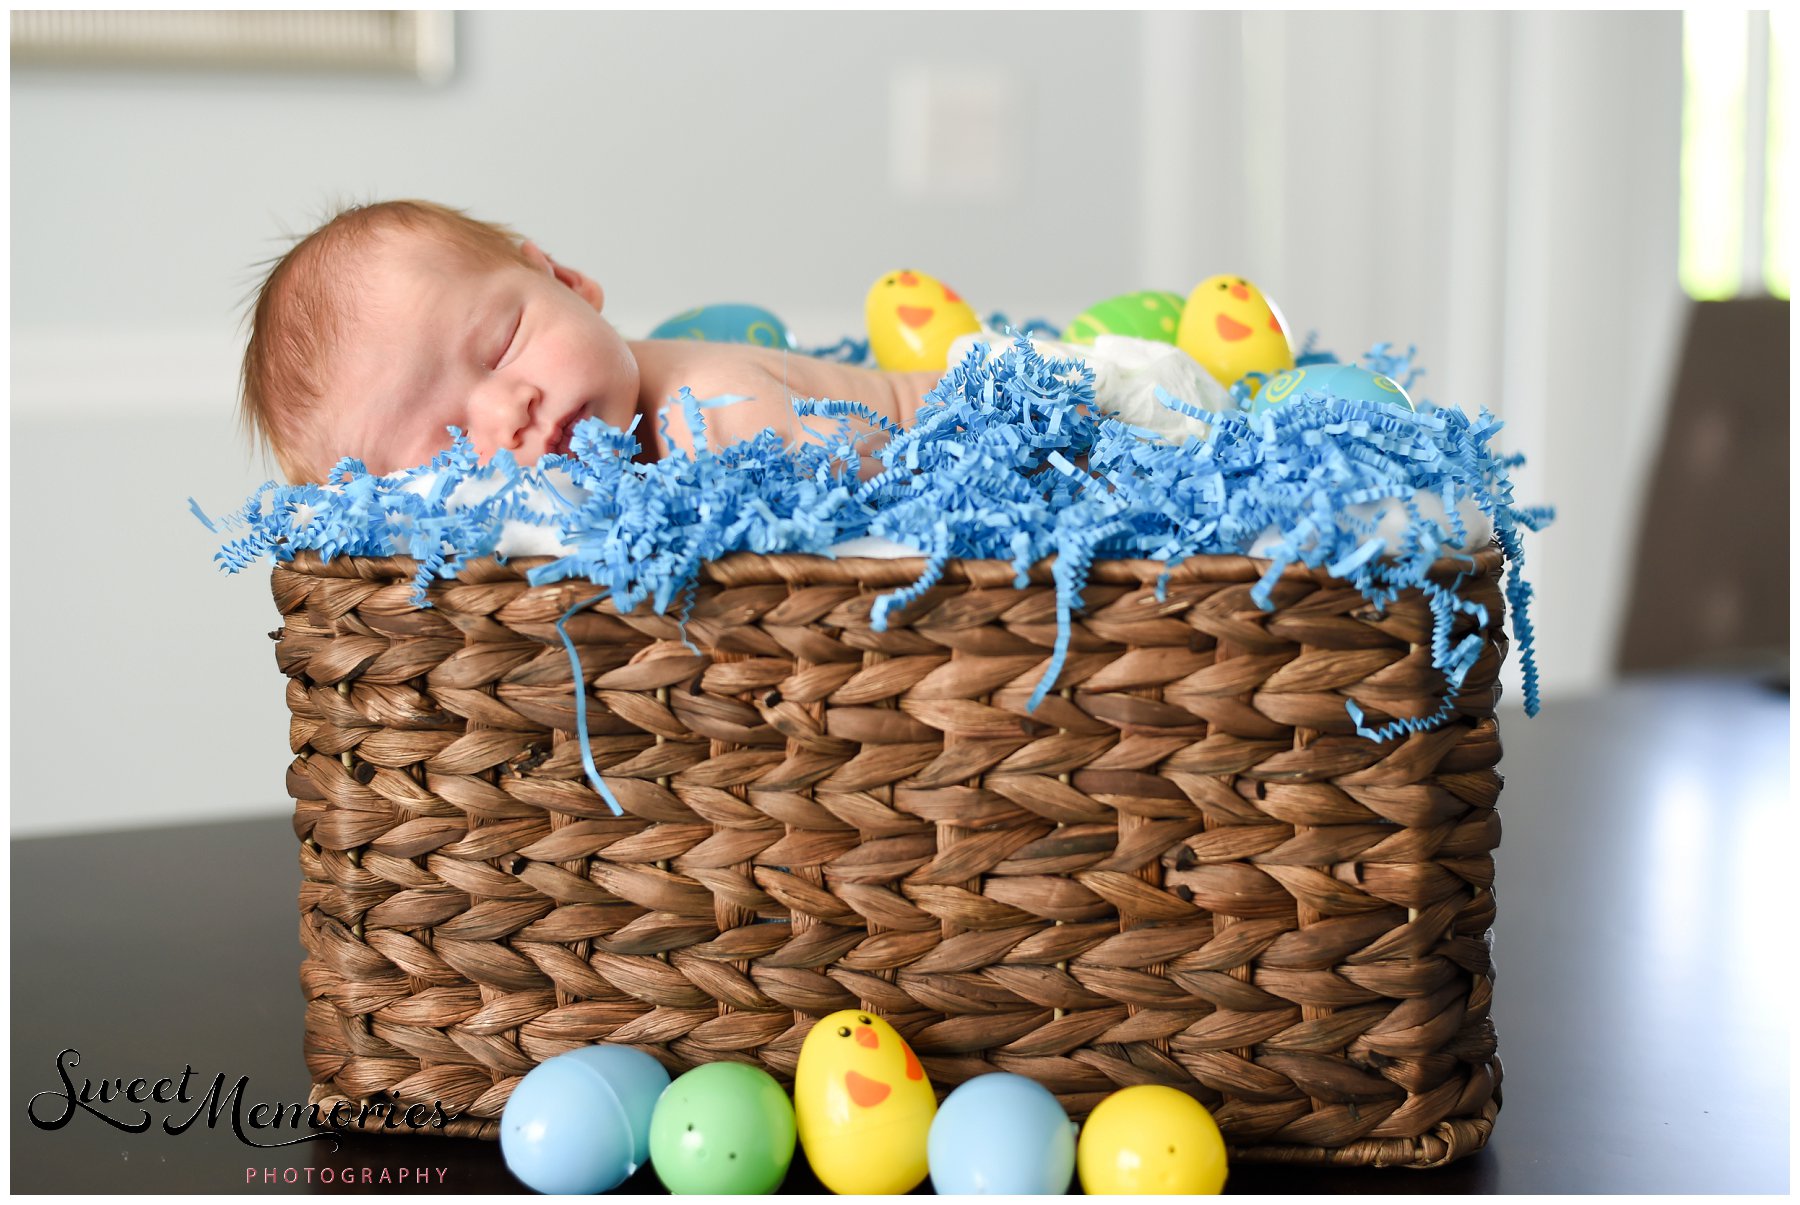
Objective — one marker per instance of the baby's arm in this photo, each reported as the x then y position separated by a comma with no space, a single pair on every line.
767,378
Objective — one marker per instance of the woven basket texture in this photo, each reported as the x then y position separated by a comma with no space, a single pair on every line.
1183,868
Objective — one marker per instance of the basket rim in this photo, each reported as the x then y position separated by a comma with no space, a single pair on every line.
813,569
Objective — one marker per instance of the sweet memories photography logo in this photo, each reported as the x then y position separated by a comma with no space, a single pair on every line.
134,1105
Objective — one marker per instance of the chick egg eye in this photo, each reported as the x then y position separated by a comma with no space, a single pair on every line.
864,1019
1223,286
843,1031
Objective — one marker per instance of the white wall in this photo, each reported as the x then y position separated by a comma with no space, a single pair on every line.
677,158
1498,188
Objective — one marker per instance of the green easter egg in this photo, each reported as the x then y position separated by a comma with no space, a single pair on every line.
722,1128
1146,315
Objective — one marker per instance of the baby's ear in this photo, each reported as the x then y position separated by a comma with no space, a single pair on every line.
587,289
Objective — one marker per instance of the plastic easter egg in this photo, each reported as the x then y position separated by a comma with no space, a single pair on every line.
913,319
722,1128
1002,1133
728,323
1145,315
1232,329
1350,381
1151,1139
580,1122
862,1105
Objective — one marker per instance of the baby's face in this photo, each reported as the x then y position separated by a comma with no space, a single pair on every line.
514,356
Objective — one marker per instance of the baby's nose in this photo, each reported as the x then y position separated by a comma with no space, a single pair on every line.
513,397
509,406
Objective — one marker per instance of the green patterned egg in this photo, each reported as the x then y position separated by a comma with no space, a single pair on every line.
1146,315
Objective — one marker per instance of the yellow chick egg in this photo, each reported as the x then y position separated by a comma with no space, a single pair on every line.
913,318
863,1106
1231,328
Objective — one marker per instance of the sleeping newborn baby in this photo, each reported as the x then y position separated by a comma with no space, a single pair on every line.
394,321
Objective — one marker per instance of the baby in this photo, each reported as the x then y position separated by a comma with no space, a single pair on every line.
396,320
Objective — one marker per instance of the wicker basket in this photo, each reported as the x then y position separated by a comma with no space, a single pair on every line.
1184,867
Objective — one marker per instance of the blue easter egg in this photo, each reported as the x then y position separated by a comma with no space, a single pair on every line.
1350,381
728,324
1001,1133
580,1122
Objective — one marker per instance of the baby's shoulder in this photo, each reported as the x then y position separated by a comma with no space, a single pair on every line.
747,381
708,369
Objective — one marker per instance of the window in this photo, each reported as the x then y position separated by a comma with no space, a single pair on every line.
1733,154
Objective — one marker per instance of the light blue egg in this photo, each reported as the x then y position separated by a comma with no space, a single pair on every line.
1349,381
1001,1133
580,1122
728,324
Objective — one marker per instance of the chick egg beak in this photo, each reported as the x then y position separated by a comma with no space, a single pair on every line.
866,1037
1240,292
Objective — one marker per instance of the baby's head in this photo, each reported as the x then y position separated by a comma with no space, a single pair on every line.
394,321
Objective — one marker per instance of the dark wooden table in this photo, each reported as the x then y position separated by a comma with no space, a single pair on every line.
1641,1001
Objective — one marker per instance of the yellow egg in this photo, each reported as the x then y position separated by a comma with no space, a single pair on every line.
913,318
1231,328
863,1106
1150,1139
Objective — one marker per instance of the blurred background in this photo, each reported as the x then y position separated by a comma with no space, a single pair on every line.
1576,217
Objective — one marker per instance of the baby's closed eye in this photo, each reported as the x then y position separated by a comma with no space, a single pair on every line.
510,341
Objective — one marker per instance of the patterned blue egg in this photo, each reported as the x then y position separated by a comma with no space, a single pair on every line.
727,324
1349,381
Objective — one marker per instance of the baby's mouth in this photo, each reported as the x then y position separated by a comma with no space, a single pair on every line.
565,434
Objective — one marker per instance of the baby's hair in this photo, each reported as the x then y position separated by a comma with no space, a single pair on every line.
299,310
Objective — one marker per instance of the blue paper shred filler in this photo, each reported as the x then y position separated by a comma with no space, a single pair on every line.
1007,459
587,752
